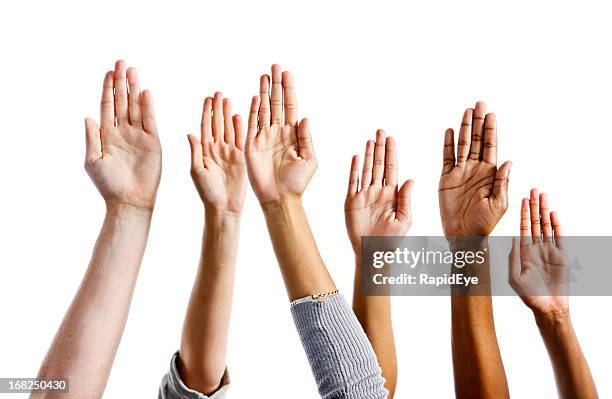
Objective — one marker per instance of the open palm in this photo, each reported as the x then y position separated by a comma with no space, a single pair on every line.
217,160
123,156
473,191
377,208
538,267
279,154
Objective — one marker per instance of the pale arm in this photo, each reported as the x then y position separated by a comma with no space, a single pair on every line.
85,345
123,159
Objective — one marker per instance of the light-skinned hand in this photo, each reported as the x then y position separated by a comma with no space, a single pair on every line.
473,192
217,159
279,154
374,206
123,155
538,265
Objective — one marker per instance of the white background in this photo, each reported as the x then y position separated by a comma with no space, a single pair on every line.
543,67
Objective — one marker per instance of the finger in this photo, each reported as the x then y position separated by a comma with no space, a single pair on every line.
490,139
353,184
525,225
238,139
107,103
390,163
477,129
545,218
276,99
289,99
134,97
253,113
197,158
500,185
514,262
228,128
206,134
534,211
148,113
378,171
557,229
121,100
403,202
93,142
305,147
448,157
368,161
463,145
217,117
264,103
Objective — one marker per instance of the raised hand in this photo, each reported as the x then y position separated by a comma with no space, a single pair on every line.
123,155
473,192
538,267
279,154
376,207
217,160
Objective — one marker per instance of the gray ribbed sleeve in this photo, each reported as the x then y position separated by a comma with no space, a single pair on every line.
340,356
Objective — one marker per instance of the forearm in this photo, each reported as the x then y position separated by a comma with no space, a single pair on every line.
302,268
374,315
571,370
477,364
84,348
206,326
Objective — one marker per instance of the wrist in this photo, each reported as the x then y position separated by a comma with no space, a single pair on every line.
280,198
467,243
124,209
552,319
218,218
281,204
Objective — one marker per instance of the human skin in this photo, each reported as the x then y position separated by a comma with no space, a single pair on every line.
123,159
280,163
375,206
219,174
538,272
473,198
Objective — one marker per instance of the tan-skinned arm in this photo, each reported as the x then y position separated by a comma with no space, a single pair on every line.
302,268
375,206
473,198
280,164
123,158
218,172
538,272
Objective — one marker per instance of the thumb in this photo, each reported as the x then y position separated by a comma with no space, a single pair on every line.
500,185
196,153
306,150
93,142
403,201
